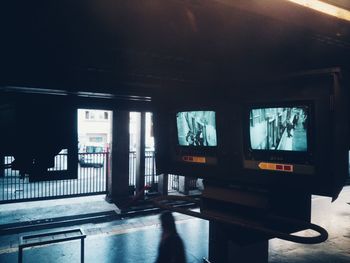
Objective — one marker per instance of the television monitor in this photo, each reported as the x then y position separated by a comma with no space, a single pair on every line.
279,128
279,135
188,140
288,133
196,128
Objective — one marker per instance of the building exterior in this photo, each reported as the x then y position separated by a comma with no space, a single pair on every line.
94,128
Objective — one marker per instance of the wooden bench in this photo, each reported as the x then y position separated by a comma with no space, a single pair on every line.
51,237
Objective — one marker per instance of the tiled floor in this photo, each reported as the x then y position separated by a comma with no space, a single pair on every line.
136,240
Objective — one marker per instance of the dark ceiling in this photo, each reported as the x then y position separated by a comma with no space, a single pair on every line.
146,46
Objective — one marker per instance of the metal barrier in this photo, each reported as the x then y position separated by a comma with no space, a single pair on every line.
173,182
150,168
150,171
92,179
49,238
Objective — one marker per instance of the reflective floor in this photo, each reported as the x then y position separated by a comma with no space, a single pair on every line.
136,240
335,218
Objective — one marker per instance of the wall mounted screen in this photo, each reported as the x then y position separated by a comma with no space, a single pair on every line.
196,128
280,129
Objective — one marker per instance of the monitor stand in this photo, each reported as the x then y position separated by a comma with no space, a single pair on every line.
227,245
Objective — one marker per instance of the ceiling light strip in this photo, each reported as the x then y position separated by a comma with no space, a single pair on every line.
324,8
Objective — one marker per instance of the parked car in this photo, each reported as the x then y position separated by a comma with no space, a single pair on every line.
92,156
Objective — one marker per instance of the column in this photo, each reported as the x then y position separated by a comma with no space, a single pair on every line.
118,178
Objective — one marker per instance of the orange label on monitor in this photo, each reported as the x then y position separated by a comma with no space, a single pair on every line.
194,159
276,167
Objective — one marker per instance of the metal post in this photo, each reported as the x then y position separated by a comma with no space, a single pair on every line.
20,255
2,165
140,151
143,149
107,170
153,160
82,251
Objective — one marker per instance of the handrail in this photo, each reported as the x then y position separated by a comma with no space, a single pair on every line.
24,241
323,234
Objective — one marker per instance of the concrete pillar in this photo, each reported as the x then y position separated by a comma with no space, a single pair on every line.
118,178
73,150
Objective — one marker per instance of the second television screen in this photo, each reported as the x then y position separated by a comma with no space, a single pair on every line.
281,129
196,128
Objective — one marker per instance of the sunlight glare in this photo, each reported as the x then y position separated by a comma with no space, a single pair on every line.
324,8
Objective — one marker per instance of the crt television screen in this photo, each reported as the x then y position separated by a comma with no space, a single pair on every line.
281,129
196,128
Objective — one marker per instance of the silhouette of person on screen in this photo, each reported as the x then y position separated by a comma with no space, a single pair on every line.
199,137
171,248
190,138
289,128
295,120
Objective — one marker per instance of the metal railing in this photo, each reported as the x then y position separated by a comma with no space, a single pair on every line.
150,173
91,179
173,182
150,168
